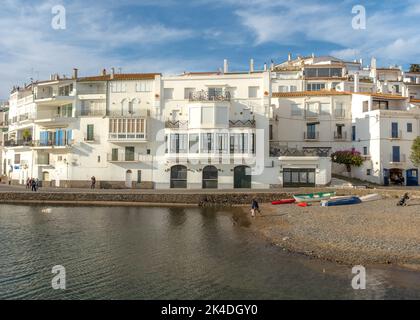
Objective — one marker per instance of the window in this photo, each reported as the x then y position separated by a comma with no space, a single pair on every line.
296,109
339,110
17,158
323,72
335,85
409,127
129,153
311,131
207,143
144,86
380,105
315,86
312,110
394,131
395,154
118,86
238,143
193,143
397,88
365,151
282,88
325,109
253,92
368,172
138,176
222,143
188,92
365,106
99,159
270,132
114,154
178,143
90,132
293,88
353,133
168,93
215,93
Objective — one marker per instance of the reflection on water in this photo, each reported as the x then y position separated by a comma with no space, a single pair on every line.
167,253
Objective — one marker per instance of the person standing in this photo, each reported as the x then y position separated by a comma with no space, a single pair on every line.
93,182
33,184
254,207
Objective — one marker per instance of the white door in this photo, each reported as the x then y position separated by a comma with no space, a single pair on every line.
128,179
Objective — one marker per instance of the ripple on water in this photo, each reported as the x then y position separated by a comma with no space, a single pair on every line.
166,253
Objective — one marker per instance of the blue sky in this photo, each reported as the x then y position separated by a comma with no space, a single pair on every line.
172,36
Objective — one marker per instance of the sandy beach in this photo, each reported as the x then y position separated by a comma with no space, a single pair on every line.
369,233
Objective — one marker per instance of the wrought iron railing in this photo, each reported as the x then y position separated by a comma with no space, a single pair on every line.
179,124
206,95
242,124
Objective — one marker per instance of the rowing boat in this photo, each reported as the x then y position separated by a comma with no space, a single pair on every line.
341,202
283,201
313,197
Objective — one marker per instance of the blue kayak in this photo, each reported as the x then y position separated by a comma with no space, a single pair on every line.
341,202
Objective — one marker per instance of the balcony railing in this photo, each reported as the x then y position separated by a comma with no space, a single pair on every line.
242,124
397,158
340,136
396,134
126,136
205,95
311,114
176,124
311,136
19,143
53,143
339,114
92,113
129,157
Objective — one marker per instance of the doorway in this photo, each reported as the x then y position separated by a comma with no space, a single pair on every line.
128,179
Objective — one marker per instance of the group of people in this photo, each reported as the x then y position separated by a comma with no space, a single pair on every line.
32,184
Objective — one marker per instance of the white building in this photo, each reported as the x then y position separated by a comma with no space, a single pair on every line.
253,129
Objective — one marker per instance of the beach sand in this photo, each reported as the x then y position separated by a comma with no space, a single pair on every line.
376,232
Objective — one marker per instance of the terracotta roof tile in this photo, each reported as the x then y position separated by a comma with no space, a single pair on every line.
309,93
383,96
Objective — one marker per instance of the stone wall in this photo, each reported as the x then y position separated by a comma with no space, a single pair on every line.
214,199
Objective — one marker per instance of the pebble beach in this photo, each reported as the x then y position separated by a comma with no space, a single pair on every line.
375,232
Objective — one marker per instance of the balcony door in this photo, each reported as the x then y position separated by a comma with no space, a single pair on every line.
396,157
311,130
394,130
242,177
129,153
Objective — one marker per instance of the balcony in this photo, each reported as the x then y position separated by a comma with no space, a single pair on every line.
127,137
396,135
242,124
129,157
340,114
397,158
340,136
311,114
311,136
18,143
209,95
92,113
176,124
62,144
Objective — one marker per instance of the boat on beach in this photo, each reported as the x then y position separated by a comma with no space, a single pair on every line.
371,197
341,202
283,201
314,197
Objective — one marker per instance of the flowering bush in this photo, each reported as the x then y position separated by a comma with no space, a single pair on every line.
348,157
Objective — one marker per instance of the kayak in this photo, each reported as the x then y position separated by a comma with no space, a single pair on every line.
371,197
341,202
313,197
283,201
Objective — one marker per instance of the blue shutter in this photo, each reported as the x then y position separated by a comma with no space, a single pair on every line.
69,136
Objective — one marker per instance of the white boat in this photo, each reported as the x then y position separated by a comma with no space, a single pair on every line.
371,197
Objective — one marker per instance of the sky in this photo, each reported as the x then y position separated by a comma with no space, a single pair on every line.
173,36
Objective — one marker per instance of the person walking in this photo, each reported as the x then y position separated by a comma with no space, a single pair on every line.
28,183
37,184
254,207
33,184
93,182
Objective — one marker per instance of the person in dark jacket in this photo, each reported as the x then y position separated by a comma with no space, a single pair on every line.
255,207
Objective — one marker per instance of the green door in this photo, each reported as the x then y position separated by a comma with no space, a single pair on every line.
242,180
129,153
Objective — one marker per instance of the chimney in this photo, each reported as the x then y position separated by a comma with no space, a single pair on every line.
75,73
373,63
251,65
356,82
361,62
313,55
112,73
225,66
417,80
104,72
272,65
265,66
289,57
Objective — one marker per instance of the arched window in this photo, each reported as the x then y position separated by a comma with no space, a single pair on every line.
179,176
242,177
210,177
